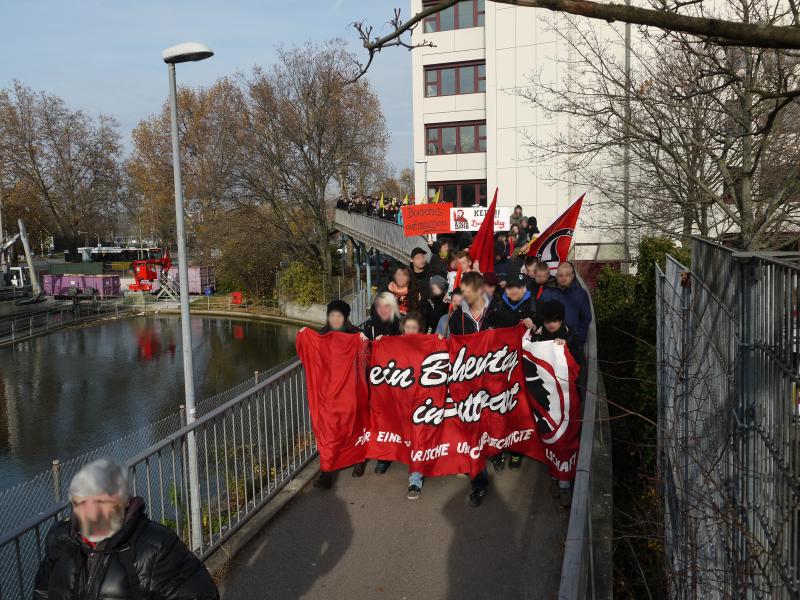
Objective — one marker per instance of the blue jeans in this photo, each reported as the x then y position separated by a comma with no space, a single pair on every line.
415,479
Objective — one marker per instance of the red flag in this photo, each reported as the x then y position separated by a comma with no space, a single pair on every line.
457,280
482,248
338,397
552,245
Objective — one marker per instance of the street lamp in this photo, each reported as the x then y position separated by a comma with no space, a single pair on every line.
188,52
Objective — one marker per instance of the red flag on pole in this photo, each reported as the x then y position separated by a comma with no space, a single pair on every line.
482,248
552,245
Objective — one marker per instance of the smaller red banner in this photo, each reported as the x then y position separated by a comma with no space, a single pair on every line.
422,219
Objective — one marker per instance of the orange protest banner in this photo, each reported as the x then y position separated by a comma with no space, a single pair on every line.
421,219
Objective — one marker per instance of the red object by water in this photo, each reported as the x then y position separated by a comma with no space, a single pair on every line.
236,297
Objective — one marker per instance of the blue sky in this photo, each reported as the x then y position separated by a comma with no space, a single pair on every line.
104,55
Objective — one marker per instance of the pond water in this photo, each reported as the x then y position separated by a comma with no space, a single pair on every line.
74,390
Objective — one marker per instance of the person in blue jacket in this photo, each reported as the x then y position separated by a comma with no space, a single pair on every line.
577,308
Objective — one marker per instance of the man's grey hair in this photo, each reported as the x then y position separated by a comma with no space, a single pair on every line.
102,476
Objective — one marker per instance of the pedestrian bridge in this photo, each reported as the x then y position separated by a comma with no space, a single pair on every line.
265,533
364,539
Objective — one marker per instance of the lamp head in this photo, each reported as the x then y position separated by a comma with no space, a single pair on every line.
186,52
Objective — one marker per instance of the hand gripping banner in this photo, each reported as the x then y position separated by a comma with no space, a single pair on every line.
440,406
338,399
551,375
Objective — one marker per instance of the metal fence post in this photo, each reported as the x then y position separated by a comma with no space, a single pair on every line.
57,479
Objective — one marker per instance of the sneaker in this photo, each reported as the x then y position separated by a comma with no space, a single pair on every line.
515,462
325,480
498,463
382,467
565,496
414,492
358,470
554,491
476,496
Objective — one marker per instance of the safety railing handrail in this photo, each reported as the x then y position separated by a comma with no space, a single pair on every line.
163,443
576,567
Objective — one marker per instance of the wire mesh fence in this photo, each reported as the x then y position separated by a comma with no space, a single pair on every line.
22,502
248,447
728,423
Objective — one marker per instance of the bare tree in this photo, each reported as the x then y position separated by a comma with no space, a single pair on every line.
694,17
63,163
706,126
305,131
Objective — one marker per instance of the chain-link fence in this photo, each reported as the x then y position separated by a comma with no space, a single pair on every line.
728,423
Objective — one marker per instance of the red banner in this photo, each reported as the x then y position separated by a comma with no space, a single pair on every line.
552,245
551,374
442,406
338,398
422,219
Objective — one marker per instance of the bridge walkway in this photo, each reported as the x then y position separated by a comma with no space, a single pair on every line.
363,539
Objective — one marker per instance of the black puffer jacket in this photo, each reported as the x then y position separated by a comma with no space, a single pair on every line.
373,327
143,553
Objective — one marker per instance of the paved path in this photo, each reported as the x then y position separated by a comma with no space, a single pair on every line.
364,540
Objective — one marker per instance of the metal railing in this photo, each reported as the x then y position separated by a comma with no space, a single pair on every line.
248,449
15,293
729,426
580,565
16,328
385,236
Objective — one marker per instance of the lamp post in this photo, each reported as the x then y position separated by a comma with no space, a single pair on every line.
188,52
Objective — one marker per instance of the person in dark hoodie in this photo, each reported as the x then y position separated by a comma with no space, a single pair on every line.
109,548
439,262
555,329
420,270
435,303
517,305
338,320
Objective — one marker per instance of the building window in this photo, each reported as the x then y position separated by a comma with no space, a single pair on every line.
460,193
455,138
462,15
452,79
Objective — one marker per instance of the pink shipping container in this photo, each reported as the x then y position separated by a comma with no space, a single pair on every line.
107,286
199,278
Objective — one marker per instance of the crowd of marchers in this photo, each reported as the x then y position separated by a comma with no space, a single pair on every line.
446,294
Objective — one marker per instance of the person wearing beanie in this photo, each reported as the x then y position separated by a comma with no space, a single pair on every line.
338,318
516,305
491,285
556,330
420,270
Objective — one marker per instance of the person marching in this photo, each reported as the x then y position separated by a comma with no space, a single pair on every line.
477,312
412,324
555,329
338,319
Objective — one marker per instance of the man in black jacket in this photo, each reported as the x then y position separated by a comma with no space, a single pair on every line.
478,312
517,304
109,548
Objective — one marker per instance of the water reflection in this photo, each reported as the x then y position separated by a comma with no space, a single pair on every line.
74,390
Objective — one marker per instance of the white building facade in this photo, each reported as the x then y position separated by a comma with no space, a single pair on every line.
472,129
